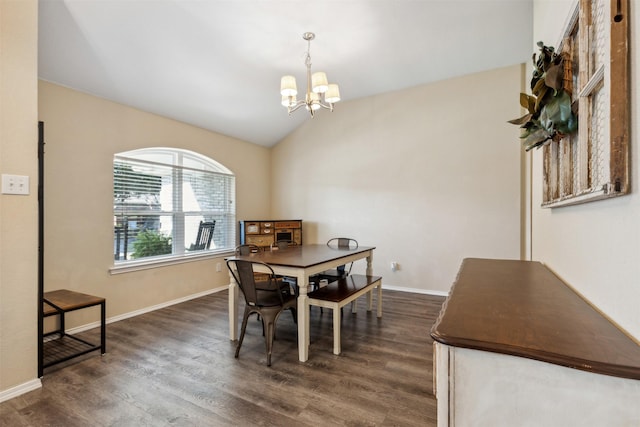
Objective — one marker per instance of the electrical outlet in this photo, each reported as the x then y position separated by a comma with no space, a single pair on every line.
15,184
219,267
394,266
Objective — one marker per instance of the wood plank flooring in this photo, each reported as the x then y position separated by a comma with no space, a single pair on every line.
175,367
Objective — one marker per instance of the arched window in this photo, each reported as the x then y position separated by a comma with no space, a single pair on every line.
170,203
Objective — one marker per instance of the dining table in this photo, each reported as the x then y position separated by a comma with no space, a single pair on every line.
300,262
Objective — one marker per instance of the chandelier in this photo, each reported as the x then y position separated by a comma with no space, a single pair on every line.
320,93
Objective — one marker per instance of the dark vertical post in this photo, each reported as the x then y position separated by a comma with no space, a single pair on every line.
40,246
103,331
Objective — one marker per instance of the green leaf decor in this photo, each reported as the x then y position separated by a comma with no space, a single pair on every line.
550,115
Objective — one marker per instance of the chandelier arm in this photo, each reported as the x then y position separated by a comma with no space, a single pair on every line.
296,106
326,106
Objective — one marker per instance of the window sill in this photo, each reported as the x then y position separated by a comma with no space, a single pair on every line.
130,266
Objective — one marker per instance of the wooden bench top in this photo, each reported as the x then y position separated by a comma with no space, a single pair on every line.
343,288
67,300
522,309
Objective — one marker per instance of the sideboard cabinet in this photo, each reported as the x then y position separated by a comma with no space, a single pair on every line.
266,232
514,345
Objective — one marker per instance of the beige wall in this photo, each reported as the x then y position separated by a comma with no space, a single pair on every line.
428,175
595,246
82,133
18,214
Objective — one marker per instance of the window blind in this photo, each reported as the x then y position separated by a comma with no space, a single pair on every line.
159,207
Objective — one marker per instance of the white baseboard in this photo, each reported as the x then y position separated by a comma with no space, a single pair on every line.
144,310
18,390
414,290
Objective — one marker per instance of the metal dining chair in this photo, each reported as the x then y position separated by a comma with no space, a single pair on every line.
283,244
266,299
247,249
337,273
342,270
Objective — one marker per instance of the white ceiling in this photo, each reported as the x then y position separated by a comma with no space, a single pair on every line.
217,64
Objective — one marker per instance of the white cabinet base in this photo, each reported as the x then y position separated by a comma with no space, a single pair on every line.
479,388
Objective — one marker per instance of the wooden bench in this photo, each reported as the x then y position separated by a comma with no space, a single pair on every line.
65,347
341,292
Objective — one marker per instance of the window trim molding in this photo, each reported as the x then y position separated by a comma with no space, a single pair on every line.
164,261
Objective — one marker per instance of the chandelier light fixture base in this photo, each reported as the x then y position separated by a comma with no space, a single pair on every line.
320,93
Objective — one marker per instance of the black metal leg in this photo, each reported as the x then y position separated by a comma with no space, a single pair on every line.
103,328
62,327
243,330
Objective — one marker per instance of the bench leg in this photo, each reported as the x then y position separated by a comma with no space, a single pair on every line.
370,300
336,330
379,300
63,327
103,336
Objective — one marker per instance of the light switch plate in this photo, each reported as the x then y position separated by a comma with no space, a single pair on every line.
15,184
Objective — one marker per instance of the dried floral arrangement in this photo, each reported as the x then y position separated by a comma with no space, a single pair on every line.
550,115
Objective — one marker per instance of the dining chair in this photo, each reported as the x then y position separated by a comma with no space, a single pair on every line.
247,249
341,271
283,244
267,300
260,278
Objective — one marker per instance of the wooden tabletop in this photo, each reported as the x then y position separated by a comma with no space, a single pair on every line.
521,308
302,256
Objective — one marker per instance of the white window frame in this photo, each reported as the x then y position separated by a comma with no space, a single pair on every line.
225,230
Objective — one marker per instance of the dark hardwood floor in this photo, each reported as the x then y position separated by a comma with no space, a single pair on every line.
175,367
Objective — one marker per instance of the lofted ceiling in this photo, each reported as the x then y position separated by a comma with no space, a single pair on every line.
217,64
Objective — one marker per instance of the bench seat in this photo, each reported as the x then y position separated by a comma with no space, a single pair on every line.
65,346
343,291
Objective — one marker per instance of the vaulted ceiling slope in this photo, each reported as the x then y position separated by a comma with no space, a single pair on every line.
217,64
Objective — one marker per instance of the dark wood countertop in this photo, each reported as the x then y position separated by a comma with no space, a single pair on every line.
521,308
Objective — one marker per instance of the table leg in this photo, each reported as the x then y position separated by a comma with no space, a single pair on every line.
233,308
336,330
303,317
370,273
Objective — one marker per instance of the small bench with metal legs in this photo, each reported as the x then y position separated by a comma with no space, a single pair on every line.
343,291
65,346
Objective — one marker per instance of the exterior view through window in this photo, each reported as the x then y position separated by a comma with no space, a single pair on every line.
171,203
